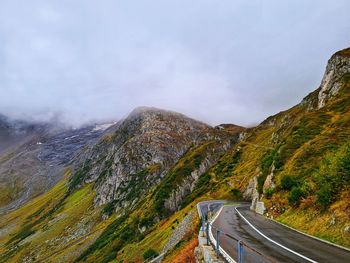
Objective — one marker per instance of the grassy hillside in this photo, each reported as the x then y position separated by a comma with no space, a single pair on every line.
53,227
307,153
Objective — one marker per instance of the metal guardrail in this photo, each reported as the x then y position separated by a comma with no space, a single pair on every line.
241,247
155,259
215,241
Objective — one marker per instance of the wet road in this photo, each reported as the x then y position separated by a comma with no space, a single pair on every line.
231,223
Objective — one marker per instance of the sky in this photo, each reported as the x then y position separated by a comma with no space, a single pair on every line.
219,61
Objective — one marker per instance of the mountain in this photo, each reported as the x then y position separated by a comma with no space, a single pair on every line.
142,151
151,161
33,157
130,191
297,161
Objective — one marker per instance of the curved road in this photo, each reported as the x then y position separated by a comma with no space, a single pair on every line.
231,223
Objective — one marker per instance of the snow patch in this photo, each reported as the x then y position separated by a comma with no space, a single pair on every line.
102,127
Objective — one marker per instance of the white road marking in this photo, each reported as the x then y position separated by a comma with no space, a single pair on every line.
273,241
222,251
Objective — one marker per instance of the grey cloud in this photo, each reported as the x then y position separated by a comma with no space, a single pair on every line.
218,61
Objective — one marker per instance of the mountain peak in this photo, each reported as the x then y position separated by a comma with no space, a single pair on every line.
146,110
337,68
343,53
153,114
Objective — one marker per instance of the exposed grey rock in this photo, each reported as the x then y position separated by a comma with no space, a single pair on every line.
141,151
269,184
173,203
347,229
338,65
37,159
242,136
260,208
206,254
333,220
251,192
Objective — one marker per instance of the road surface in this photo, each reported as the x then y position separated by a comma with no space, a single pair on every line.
231,223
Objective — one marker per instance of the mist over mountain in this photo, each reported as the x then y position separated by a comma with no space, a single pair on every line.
219,62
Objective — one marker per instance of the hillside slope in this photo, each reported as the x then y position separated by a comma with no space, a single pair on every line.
33,157
298,161
134,178
127,193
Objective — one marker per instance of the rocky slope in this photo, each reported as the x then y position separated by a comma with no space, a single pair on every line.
141,152
148,165
13,133
34,155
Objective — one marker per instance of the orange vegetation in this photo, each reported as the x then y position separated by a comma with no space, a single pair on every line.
186,254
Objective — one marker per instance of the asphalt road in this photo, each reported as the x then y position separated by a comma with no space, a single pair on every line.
231,223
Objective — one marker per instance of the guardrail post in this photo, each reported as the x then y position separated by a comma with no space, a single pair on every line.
240,251
207,232
217,242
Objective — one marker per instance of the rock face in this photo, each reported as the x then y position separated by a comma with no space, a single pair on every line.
173,203
338,66
142,149
251,191
269,184
177,195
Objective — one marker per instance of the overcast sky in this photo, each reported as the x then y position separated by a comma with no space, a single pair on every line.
220,61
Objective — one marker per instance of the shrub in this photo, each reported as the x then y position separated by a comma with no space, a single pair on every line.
344,167
266,162
109,257
324,195
150,253
288,182
333,176
269,192
109,208
23,234
78,178
197,160
237,194
295,195
146,221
